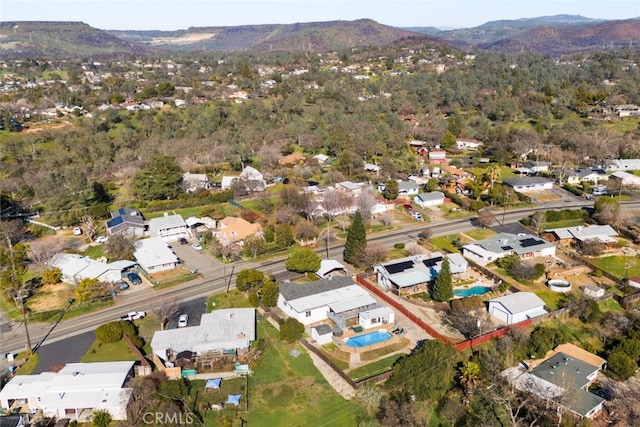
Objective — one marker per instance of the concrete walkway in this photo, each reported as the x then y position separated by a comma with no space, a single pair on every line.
336,381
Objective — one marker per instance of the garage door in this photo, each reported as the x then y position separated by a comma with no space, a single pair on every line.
500,314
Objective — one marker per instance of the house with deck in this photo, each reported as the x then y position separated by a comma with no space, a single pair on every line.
526,246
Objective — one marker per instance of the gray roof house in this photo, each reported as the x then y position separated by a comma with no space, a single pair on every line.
503,244
603,233
75,267
516,307
126,221
226,331
155,255
429,199
192,182
527,184
406,274
168,227
562,377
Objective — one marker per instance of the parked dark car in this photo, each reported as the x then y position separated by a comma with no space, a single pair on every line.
134,278
122,285
183,241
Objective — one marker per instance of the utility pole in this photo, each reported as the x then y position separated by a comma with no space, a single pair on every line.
230,276
21,296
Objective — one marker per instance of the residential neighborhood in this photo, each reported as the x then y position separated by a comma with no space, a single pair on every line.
407,234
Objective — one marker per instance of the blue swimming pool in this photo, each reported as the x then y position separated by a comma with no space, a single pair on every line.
368,339
475,290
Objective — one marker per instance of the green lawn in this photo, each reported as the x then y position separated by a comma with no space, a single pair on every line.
374,368
550,298
289,390
29,365
234,299
617,265
609,305
562,224
446,243
480,234
100,352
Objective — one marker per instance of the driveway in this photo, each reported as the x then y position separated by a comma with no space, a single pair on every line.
53,356
192,259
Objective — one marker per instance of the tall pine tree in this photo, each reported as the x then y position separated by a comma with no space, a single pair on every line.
442,289
356,239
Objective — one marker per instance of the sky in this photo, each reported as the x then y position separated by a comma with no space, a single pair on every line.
177,14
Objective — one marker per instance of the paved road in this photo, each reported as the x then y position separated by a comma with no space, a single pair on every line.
216,281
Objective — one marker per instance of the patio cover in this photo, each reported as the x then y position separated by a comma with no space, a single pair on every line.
352,304
213,383
233,399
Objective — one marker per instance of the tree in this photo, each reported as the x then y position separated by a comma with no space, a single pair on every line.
469,378
101,418
386,219
306,230
368,256
249,280
302,261
42,250
621,364
254,245
449,141
391,189
165,309
365,202
486,218
442,288
119,247
427,373
161,180
356,238
270,292
89,226
89,289
51,276
606,210
291,330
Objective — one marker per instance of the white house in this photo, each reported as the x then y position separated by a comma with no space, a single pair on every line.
154,255
335,298
75,392
433,198
526,246
370,167
192,182
626,179
516,307
531,183
408,188
322,334
226,331
624,165
593,176
75,267
468,144
254,179
376,317
168,227
331,267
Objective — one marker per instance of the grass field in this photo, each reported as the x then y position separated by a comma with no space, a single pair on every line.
446,243
100,352
562,224
374,368
289,390
617,265
480,234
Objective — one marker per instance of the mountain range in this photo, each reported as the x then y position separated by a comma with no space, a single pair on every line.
551,35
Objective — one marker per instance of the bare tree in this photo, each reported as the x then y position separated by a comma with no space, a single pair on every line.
89,226
166,308
333,202
286,215
486,218
623,407
41,251
368,256
386,219
537,220
306,230
415,249
365,203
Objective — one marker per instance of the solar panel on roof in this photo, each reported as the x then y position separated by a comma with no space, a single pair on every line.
115,221
506,248
529,242
399,267
432,262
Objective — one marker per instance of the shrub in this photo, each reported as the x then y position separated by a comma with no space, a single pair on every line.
254,300
621,364
291,330
398,246
109,332
467,304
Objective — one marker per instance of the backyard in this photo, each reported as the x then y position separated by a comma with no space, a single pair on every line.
619,266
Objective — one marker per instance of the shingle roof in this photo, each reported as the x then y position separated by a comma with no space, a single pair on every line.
292,291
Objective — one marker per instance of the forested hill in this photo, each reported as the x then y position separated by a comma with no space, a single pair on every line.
30,39
313,36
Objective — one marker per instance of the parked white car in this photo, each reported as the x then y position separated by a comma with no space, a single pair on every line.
134,315
197,246
77,231
102,239
183,320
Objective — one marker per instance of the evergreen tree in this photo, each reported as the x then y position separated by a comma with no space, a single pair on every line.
391,189
303,260
442,289
356,239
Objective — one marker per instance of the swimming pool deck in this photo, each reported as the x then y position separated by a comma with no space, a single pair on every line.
348,333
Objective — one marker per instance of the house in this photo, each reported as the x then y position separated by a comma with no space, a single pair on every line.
468,144
322,334
407,188
226,182
533,167
526,184
233,230
370,167
75,267
335,298
168,227
429,199
126,221
353,188
254,179
74,392
228,331
593,176
562,378
623,165
455,173
412,274
331,267
593,291
626,179
516,307
437,156
526,246
192,182
321,158
568,235
154,255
